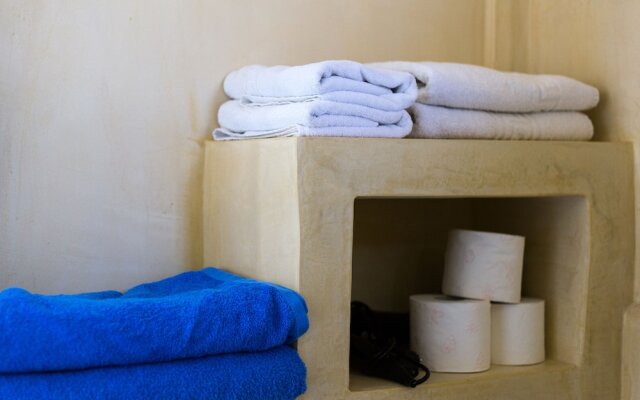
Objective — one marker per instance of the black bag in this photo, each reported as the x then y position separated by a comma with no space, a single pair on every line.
376,350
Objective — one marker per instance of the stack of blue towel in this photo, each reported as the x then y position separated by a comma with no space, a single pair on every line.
199,335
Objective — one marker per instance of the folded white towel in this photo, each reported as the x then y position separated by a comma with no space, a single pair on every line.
260,84
480,88
383,102
239,116
325,125
449,123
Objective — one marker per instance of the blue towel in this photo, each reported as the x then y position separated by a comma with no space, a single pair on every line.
193,314
276,374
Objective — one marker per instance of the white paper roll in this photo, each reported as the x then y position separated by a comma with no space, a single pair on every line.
483,265
517,332
451,335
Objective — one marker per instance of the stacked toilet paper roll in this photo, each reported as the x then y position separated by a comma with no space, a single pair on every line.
517,332
486,320
483,265
451,335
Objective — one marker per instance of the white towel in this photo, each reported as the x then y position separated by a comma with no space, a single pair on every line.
449,123
261,84
341,125
383,102
474,87
239,116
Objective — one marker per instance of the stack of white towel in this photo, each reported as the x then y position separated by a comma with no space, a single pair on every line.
331,98
458,101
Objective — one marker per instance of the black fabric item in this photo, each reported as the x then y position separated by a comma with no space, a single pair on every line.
375,350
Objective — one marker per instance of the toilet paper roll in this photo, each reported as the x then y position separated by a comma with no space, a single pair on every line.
483,265
451,335
517,332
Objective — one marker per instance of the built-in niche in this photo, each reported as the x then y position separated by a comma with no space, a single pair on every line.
399,245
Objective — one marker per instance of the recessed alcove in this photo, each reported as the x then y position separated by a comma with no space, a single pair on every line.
399,246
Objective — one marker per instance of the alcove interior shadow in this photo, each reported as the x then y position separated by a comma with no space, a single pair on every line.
399,246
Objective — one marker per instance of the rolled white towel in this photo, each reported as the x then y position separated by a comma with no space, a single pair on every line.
261,84
448,123
479,88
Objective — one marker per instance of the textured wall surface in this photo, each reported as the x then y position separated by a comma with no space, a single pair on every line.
104,108
594,41
598,42
576,257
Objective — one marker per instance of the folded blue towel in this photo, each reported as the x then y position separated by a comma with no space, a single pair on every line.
193,314
276,374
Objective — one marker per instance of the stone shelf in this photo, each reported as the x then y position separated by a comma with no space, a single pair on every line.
342,219
365,387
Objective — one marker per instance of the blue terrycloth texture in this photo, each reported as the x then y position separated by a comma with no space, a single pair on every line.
276,374
193,314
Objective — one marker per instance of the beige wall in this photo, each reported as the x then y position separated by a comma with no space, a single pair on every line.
598,42
594,41
104,107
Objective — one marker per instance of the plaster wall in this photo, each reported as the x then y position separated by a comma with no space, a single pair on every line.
597,42
105,106
594,41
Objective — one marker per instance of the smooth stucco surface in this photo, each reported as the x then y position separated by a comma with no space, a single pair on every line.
104,107
597,42
283,210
